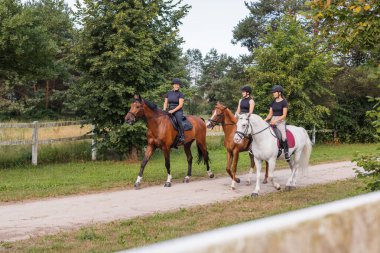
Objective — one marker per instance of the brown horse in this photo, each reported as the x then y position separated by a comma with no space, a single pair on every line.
161,134
222,115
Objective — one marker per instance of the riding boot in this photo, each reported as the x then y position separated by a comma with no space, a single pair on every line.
181,136
286,150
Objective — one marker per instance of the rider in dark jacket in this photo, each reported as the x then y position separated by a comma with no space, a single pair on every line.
174,100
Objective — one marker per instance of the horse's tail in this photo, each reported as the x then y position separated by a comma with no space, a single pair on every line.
201,157
306,152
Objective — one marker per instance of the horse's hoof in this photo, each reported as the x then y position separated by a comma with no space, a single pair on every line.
168,184
289,188
137,186
265,181
237,180
278,188
233,188
248,183
254,194
186,180
211,175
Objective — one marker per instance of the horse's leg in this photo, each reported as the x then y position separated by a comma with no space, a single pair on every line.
167,165
202,151
271,165
235,159
229,162
266,173
291,183
187,148
250,173
258,170
148,153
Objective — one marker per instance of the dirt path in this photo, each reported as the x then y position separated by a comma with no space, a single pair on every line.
24,220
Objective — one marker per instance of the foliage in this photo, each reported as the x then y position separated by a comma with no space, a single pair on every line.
124,47
371,170
349,23
348,115
34,42
290,58
263,13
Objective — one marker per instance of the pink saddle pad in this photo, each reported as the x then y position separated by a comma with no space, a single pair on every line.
290,137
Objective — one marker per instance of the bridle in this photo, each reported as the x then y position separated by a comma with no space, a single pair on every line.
245,134
215,122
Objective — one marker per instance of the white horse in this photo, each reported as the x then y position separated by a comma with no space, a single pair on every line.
264,148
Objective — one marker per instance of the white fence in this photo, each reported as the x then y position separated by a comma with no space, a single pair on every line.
35,141
349,225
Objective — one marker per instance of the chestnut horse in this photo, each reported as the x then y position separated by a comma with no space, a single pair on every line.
161,134
222,115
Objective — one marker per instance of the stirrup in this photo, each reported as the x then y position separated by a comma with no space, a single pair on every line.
287,157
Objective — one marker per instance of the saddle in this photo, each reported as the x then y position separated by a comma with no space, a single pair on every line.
289,137
186,127
186,124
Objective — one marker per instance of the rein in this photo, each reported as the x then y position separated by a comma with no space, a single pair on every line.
216,122
245,135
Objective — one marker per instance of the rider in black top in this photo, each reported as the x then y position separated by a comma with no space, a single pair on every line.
278,110
246,103
174,100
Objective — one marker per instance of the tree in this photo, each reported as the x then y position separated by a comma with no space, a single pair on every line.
266,13
348,25
194,60
124,47
290,59
34,42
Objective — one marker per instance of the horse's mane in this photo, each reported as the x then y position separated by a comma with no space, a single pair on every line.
153,106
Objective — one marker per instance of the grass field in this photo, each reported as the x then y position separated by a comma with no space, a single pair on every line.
58,179
141,231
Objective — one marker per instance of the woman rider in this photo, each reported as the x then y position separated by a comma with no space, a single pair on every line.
174,100
277,114
246,103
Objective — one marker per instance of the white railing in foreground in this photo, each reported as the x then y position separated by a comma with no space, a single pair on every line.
349,225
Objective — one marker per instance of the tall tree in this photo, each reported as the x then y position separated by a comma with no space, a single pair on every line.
263,13
34,40
125,46
194,60
290,59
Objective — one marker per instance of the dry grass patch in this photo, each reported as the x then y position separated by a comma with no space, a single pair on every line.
7,134
141,231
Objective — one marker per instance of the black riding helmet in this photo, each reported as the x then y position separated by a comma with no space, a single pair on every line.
246,88
176,81
277,88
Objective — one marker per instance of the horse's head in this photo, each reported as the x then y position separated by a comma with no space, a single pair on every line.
217,115
136,111
243,128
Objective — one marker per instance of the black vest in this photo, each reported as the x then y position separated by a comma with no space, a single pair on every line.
244,105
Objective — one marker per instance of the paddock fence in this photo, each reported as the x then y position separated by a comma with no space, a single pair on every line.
35,141
349,225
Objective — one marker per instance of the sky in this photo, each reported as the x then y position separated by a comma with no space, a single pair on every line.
209,24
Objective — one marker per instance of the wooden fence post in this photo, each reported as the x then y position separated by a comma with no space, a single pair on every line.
35,143
313,135
93,144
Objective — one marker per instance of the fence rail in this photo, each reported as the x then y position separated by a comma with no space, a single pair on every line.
35,141
218,131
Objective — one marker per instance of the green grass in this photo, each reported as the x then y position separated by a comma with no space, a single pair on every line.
29,182
119,235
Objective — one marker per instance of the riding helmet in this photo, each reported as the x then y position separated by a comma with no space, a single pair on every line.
277,88
246,89
176,81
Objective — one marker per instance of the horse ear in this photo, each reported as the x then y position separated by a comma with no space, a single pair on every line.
137,97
